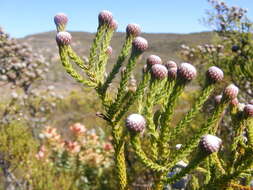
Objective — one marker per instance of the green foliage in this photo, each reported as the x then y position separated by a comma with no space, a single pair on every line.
160,132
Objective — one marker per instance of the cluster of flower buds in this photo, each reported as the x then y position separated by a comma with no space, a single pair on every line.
20,66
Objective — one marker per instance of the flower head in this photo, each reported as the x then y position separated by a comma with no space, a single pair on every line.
172,72
72,147
77,128
108,147
105,17
60,20
133,30
171,64
187,71
63,38
210,143
214,74
153,59
140,44
159,71
248,110
113,24
231,91
135,122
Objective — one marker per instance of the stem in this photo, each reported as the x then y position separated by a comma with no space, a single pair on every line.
193,142
123,54
166,119
69,68
139,92
123,84
119,156
95,46
200,156
205,93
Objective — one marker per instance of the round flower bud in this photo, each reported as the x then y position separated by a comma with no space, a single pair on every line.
248,110
105,17
210,143
113,24
60,19
214,74
171,64
109,51
172,72
133,29
159,71
153,59
187,71
217,99
140,44
135,122
63,38
231,91
251,101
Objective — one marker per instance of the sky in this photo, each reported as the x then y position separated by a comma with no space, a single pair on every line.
24,17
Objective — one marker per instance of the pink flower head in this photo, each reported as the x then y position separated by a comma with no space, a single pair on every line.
133,30
105,17
51,133
210,143
60,19
63,38
140,44
108,146
172,72
187,71
113,24
72,147
248,110
135,122
231,91
77,128
170,64
159,71
153,59
214,74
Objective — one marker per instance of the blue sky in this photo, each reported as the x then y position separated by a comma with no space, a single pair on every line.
23,17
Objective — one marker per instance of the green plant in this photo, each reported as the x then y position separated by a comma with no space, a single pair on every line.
156,97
